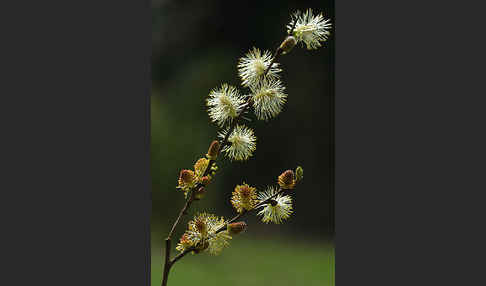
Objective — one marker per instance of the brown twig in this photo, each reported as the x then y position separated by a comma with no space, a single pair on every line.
181,213
278,52
168,264
180,255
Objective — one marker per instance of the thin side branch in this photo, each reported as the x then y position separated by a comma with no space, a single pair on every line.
278,52
180,255
181,213
168,263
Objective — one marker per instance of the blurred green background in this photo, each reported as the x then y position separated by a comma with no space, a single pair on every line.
195,47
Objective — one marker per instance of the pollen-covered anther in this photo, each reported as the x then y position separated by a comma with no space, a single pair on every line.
213,150
200,167
252,67
310,29
186,177
277,208
241,143
269,98
287,180
201,226
202,232
185,242
288,44
186,181
244,198
236,227
185,239
224,104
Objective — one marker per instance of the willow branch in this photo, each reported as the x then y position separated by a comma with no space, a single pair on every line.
180,255
168,262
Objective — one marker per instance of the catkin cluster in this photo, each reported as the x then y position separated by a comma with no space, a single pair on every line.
265,94
260,75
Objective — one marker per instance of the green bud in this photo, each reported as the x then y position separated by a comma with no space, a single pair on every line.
288,44
299,173
213,150
236,227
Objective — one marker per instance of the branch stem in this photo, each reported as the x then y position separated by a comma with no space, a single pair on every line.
181,213
278,52
168,263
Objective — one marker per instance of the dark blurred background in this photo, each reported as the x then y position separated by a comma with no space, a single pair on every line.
196,46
